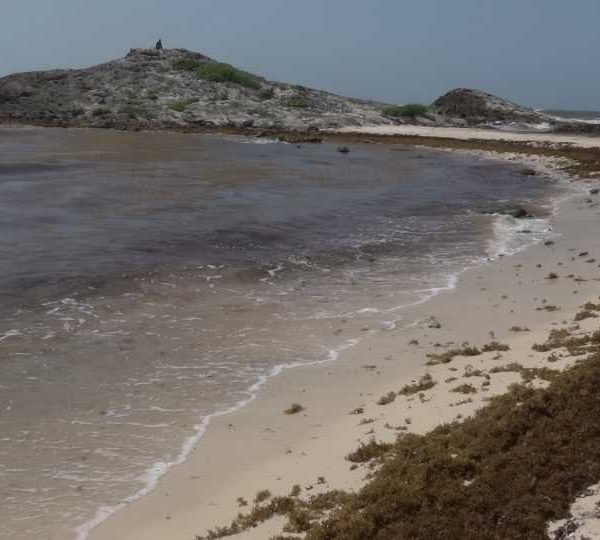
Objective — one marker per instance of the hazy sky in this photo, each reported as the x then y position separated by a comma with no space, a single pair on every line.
537,52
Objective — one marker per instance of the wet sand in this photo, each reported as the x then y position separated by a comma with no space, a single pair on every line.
259,447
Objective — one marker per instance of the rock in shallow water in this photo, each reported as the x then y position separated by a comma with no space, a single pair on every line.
516,211
432,322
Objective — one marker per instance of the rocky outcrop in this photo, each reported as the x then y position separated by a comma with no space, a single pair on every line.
515,211
182,89
174,89
474,107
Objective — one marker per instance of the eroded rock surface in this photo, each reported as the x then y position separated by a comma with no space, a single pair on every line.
476,107
157,90
182,89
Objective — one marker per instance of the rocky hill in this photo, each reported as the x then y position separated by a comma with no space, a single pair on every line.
473,107
173,88
181,89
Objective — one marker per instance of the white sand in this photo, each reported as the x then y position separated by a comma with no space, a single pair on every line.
258,447
585,519
584,141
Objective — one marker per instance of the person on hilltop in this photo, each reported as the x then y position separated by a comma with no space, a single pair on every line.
159,45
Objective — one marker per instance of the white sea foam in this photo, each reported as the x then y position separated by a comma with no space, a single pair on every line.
507,240
509,236
10,333
253,140
151,477
513,235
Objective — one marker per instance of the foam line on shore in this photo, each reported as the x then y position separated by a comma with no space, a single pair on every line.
159,469
152,476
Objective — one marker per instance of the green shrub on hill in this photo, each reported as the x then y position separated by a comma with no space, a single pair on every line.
409,110
297,102
132,110
179,105
100,111
218,72
186,64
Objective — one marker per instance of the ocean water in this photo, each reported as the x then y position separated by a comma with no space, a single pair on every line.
151,281
586,116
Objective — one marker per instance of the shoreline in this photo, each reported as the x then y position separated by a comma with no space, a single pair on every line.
177,517
481,134
370,133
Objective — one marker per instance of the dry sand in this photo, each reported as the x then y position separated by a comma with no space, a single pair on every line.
479,134
259,447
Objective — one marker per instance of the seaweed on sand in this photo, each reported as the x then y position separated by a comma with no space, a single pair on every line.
503,473
426,382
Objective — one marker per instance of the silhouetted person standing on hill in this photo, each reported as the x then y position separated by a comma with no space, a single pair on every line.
159,46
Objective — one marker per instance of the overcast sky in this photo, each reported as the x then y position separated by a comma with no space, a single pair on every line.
542,53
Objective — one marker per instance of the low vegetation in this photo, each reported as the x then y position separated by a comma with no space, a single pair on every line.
410,110
297,102
299,99
513,367
447,356
465,389
549,308
588,311
369,451
132,111
503,473
100,111
494,346
527,374
519,329
300,514
470,371
585,314
179,105
574,345
424,383
186,64
262,496
217,72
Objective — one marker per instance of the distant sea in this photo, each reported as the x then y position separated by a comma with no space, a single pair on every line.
574,114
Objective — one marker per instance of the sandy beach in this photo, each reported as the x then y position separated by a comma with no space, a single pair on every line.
582,141
510,300
346,291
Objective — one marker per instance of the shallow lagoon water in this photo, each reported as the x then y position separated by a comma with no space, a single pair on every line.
149,281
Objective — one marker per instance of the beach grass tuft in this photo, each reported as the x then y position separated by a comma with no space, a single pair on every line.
262,496
369,451
585,314
465,389
424,383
